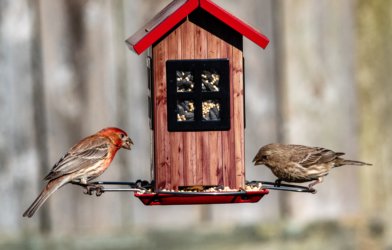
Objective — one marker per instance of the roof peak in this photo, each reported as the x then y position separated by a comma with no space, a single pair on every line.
176,11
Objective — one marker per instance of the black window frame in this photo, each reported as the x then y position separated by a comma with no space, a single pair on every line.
197,66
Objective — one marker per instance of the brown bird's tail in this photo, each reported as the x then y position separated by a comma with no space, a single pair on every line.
47,191
340,162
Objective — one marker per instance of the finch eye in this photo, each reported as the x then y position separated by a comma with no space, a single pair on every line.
122,136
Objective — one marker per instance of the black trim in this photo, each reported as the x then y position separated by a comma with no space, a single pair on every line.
197,95
215,26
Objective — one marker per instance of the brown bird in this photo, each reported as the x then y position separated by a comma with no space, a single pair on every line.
297,163
85,161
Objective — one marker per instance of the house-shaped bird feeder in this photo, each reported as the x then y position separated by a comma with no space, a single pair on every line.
196,84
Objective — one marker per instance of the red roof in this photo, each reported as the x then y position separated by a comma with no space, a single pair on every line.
176,11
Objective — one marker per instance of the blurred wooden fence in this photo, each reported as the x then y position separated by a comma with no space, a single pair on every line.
65,73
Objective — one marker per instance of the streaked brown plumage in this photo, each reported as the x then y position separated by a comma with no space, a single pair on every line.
298,163
85,161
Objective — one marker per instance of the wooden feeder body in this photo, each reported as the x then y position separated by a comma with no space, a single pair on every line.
204,157
208,157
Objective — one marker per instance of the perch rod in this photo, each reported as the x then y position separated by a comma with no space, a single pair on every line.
141,186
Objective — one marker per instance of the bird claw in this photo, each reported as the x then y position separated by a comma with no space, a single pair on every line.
312,190
90,188
278,182
99,191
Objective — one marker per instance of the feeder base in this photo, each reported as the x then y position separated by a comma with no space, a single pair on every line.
195,198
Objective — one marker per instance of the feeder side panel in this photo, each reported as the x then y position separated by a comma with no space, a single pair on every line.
189,146
201,137
232,171
225,135
176,138
238,113
231,167
161,137
197,158
215,137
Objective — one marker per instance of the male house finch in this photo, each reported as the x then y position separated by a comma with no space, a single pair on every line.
83,162
297,163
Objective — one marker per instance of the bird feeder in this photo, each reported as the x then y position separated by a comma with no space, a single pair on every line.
196,70
196,105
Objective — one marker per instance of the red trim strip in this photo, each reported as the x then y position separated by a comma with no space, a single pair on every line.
162,28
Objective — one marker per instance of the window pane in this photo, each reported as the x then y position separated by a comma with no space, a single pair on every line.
211,110
209,81
184,81
198,95
185,110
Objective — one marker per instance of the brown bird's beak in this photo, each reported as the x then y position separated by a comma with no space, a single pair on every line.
258,161
127,142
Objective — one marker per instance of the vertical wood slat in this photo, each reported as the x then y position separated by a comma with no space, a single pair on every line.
161,137
189,139
226,154
200,53
214,136
231,141
238,109
176,142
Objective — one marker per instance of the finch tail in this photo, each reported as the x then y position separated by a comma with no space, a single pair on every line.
342,162
47,191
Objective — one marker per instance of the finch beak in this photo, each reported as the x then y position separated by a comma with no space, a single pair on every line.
127,143
257,161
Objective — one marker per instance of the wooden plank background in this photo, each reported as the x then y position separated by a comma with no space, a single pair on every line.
323,81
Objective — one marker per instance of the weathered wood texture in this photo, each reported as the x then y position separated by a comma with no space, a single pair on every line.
211,157
19,161
373,73
91,80
320,96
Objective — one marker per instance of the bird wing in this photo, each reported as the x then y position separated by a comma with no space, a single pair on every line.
84,154
308,156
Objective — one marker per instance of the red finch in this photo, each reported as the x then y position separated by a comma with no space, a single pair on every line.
83,162
297,163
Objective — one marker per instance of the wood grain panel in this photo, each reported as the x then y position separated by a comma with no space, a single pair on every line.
215,142
189,138
231,141
162,140
201,140
225,135
238,109
176,143
198,158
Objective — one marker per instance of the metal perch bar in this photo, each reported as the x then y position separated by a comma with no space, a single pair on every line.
283,187
99,188
141,186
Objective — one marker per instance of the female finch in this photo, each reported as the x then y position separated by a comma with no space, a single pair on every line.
297,163
83,162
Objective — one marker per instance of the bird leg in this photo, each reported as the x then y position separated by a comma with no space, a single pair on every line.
278,182
319,180
90,188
